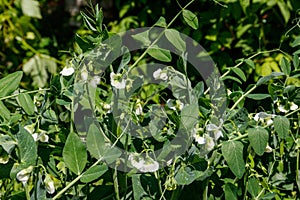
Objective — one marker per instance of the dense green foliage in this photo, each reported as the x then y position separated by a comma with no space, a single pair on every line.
64,118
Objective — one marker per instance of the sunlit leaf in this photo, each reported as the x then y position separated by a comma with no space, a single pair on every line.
10,83
160,54
93,173
74,154
258,138
174,38
233,154
190,18
25,101
281,126
31,8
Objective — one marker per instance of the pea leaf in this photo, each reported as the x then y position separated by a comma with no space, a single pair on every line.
31,8
186,175
296,42
25,101
281,126
142,37
285,66
190,18
233,154
258,96
27,147
296,61
250,63
160,54
265,79
95,142
4,112
10,83
93,173
74,154
258,138
232,78
239,72
161,22
174,38
230,191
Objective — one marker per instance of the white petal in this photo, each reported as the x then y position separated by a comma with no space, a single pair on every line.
67,71
281,108
156,74
293,106
211,127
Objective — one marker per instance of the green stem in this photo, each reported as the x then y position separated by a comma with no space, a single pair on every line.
74,181
28,92
27,191
242,97
159,36
116,184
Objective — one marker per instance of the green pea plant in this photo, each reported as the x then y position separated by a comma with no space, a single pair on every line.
107,126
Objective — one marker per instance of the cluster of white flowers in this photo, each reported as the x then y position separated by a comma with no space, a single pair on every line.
289,106
175,104
67,71
24,174
40,135
143,165
117,80
215,130
160,74
264,117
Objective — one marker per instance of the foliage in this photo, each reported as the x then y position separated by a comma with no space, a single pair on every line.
60,141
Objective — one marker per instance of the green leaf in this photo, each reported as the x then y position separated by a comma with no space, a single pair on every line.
142,37
258,138
138,190
230,191
284,9
253,187
27,147
4,112
239,72
250,63
285,66
160,54
74,154
281,126
174,38
88,22
186,175
231,78
296,42
10,83
233,154
95,141
31,8
296,61
190,18
25,101
161,22
265,79
93,173
258,96
189,116
245,4
7,143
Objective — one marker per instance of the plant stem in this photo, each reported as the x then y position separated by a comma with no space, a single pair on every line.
159,36
74,181
28,92
242,97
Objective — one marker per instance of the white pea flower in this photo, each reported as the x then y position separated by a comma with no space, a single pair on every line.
43,137
264,117
95,81
268,149
209,143
117,81
24,174
84,75
149,165
175,104
30,128
160,74
35,136
216,130
136,160
67,71
139,109
199,139
49,184
282,108
293,106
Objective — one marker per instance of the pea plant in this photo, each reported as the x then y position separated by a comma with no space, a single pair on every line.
130,116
